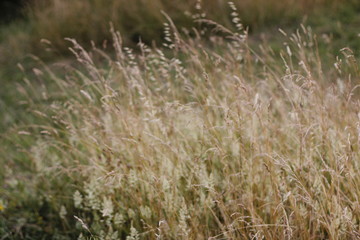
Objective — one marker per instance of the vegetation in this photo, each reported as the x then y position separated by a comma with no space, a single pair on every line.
214,130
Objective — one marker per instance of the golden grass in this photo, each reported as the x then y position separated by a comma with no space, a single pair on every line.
194,142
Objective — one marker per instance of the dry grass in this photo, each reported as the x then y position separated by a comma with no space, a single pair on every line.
197,142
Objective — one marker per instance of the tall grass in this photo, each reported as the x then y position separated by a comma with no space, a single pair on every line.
189,142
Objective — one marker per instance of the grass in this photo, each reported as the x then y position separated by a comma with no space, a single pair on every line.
204,137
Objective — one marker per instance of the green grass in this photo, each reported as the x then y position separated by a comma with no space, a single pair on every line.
226,136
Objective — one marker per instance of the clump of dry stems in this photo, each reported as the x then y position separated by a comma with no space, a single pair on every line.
202,140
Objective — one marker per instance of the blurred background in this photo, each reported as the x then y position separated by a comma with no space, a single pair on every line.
11,10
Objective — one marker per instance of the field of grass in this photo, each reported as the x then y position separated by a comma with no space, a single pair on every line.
202,121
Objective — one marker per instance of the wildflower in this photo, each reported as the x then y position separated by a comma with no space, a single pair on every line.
77,199
134,235
62,212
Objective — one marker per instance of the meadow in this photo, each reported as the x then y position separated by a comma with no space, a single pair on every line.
194,120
